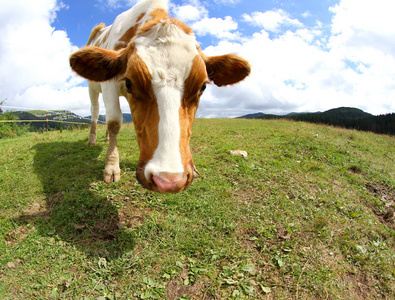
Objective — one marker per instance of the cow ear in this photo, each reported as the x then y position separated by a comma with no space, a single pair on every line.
226,69
99,64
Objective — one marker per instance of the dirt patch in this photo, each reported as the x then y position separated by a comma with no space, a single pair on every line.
387,195
357,286
176,289
14,237
132,215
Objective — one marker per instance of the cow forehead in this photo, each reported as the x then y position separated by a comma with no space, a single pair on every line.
168,52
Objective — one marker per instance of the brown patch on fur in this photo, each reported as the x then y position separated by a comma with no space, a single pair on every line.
113,127
140,17
129,34
120,45
157,15
189,105
197,77
144,109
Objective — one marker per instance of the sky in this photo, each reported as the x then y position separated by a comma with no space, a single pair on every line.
306,55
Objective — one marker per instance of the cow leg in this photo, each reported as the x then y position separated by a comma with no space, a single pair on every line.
94,96
112,172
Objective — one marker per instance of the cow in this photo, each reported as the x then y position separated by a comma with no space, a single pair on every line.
155,62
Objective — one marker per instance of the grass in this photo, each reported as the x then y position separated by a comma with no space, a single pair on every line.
308,215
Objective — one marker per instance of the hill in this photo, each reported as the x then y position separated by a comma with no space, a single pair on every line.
127,118
346,117
252,116
308,215
34,117
38,118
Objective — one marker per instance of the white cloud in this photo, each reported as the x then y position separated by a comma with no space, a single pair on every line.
35,70
271,20
226,2
188,13
220,28
192,11
301,70
306,14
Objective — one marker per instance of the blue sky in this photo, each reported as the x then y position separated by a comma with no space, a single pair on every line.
79,17
306,55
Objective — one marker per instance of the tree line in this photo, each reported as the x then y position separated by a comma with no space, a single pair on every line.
345,117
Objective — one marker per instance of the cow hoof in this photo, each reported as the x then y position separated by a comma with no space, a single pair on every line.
112,175
110,178
92,140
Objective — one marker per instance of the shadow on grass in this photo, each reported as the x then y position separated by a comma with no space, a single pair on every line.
73,211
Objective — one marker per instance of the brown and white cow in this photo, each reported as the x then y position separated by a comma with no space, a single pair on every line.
154,62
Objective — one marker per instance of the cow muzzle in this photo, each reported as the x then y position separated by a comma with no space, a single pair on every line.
165,182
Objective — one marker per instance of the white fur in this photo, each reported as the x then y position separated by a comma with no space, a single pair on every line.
111,90
168,53
127,19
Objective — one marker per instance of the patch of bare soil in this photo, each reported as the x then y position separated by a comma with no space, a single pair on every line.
176,289
387,195
132,215
129,216
357,286
14,237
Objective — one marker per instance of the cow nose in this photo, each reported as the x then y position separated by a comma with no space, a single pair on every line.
168,182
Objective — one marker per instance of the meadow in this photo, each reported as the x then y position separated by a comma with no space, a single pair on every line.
309,214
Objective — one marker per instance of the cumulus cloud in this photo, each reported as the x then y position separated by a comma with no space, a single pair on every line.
308,69
271,20
226,2
35,72
220,28
191,11
197,16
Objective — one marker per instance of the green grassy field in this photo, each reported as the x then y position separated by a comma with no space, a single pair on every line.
308,215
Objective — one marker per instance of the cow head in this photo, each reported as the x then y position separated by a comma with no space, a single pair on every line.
163,74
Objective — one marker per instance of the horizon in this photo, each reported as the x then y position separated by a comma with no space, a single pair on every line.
241,116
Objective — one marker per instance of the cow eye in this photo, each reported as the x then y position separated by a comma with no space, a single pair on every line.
128,85
202,89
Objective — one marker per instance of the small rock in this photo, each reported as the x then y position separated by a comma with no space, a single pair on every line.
11,265
240,153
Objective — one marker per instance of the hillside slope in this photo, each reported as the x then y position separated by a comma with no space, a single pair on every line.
309,214
346,117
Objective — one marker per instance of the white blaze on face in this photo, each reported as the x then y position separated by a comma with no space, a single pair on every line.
168,53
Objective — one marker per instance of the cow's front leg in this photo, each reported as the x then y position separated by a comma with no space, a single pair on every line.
92,134
94,88
112,172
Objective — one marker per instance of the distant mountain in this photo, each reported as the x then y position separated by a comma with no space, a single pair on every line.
341,116
302,113
127,118
347,117
346,113
38,118
252,116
